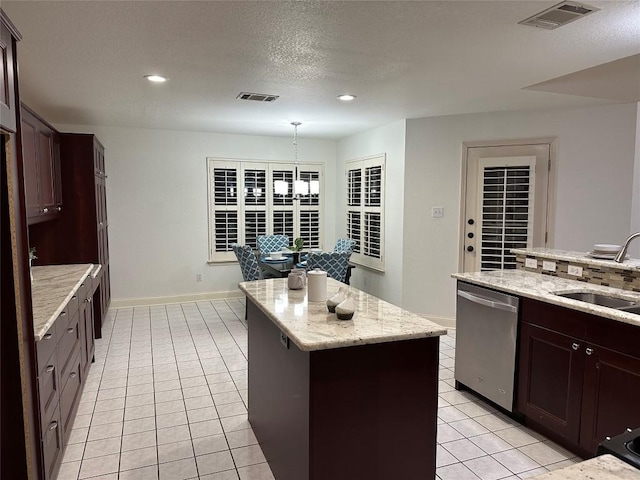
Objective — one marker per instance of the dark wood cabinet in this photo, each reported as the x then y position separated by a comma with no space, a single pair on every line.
41,159
578,375
64,356
85,221
7,77
610,401
550,363
80,234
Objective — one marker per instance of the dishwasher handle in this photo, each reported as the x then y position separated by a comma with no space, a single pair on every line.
486,302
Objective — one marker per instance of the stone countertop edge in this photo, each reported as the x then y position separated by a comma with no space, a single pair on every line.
311,327
545,288
630,264
51,289
604,467
96,270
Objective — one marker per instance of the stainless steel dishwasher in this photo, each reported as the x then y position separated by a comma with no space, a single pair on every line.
486,332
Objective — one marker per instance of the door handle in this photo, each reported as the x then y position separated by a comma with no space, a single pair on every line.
486,302
575,346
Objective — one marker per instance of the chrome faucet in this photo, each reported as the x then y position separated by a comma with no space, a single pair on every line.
623,251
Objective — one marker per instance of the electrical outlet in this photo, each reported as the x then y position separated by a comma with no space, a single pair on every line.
198,277
575,270
548,266
284,340
437,212
531,262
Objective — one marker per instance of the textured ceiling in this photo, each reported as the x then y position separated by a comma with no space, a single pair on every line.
83,62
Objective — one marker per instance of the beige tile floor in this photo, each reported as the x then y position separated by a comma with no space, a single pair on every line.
167,397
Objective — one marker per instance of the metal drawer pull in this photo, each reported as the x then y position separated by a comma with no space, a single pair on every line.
589,350
74,297
53,425
73,375
45,210
63,313
575,346
59,209
47,336
70,330
49,368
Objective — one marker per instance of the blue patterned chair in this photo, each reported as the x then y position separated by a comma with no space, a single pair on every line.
335,264
344,245
272,243
248,262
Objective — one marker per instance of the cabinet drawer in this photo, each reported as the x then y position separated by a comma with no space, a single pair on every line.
46,346
49,389
68,347
52,445
72,305
84,289
71,394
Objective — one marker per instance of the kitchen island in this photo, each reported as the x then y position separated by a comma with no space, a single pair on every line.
341,400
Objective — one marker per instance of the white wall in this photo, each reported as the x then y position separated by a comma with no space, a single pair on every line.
634,251
389,139
596,151
157,204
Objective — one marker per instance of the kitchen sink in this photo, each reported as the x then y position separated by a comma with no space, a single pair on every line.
603,300
633,309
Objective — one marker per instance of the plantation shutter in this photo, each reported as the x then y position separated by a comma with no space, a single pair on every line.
223,194
506,210
365,210
254,204
244,204
309,217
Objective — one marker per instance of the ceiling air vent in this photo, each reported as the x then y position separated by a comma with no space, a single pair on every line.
559,15
258,97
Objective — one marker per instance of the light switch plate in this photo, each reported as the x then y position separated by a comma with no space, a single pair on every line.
531,262
548,266
575,270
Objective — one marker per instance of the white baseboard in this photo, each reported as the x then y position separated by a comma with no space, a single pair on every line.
447,322
194,297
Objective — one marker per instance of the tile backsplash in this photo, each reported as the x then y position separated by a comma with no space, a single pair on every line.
604,275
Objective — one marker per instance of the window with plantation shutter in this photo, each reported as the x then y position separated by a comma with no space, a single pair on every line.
245,201
506,212
365,210
283,223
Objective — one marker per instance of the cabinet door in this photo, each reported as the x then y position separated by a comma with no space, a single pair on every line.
7,80
52,445
30,165
89,332
550,379
610,401
46,171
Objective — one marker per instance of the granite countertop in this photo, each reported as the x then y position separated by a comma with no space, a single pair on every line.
582,257
311,327
51,289
96,270
544,287
604,467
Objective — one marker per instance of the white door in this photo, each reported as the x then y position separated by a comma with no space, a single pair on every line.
505,204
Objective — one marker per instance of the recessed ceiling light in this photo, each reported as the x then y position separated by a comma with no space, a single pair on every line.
346,97
155,78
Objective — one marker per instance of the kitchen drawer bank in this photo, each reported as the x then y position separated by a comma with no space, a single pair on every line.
63,326
579,366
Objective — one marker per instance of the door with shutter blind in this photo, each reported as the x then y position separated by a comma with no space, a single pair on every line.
506,204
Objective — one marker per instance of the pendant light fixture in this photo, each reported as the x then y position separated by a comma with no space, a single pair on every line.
300,187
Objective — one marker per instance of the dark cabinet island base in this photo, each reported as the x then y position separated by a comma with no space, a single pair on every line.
361,412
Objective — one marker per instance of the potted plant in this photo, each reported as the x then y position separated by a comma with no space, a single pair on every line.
296,248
